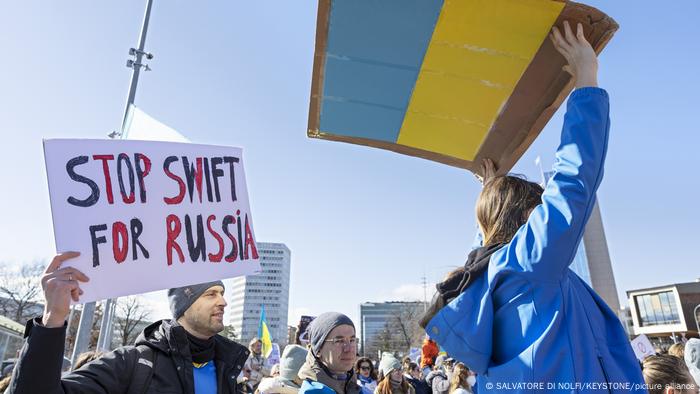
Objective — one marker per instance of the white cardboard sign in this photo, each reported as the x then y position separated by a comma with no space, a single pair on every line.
274,357
642,347
148,215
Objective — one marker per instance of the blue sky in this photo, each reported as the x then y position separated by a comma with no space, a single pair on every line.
362,224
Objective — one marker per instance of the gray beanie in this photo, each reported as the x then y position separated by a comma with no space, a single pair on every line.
321,326
293,358
388,364
181,298
692,357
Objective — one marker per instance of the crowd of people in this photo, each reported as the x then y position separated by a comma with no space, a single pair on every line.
513,319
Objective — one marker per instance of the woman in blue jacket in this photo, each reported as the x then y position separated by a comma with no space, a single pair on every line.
516,314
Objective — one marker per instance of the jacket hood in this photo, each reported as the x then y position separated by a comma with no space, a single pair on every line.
432,375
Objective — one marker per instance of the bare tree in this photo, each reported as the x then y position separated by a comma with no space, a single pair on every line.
229,332
401,332
131,314
20,291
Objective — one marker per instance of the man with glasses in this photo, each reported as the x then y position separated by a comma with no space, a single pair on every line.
331,358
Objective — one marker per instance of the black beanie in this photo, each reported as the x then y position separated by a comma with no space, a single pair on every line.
181,298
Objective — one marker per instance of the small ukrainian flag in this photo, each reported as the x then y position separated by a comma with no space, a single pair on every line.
264,334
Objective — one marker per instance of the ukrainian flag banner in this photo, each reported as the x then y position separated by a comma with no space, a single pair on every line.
446,80
264,334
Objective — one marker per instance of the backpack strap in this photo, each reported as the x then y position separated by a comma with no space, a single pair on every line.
143,370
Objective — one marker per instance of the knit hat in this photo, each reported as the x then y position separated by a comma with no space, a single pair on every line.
181,298
321,326
388,364
692,357
439,360
293,358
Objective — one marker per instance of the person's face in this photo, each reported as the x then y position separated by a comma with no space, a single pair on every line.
365,369
256,347
448,367
415,373
339,351
396,375
205,318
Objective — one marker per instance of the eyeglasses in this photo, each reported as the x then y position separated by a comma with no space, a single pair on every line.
365,368
343,342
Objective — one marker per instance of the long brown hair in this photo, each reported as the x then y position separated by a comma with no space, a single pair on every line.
459,378
663,370
384,386
504,205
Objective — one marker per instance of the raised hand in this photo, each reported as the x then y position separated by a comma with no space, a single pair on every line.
60,285
580,56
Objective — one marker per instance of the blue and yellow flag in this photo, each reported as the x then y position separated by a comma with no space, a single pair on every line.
264,334
449,81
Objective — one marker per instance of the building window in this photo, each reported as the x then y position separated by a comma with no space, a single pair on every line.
657,309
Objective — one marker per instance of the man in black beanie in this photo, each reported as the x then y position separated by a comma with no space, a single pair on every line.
182,355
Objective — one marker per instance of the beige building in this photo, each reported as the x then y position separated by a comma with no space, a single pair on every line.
602,278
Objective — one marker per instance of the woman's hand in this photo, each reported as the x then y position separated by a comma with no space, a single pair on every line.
581,58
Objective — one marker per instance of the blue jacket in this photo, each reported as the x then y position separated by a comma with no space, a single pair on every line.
309,387
529,323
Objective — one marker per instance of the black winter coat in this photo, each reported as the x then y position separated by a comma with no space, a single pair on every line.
419,385
39,367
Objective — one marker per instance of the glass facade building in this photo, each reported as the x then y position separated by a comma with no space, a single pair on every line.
269,288
658,308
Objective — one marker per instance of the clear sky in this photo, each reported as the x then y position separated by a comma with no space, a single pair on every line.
362,224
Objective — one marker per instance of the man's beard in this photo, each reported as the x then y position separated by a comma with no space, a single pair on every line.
211,326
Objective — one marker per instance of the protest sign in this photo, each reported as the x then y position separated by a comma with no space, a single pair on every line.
149,215
302,337
274,357
449,81
642,347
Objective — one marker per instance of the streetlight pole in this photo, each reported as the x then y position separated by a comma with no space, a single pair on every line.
136,64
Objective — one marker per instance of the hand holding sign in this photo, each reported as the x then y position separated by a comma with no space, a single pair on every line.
583,62
60,285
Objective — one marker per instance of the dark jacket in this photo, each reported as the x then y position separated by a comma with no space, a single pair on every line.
419,385
39,367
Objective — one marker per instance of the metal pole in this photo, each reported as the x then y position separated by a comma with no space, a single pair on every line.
70,316
104,329
106,325
3,347
82,339
110,333
136,65
425,294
